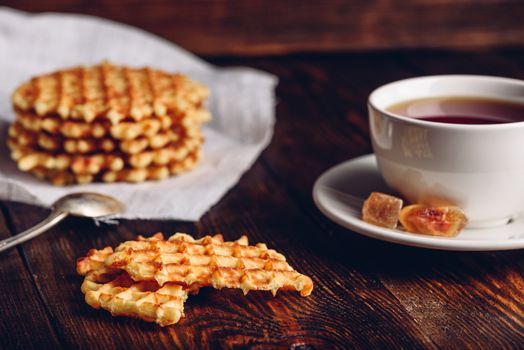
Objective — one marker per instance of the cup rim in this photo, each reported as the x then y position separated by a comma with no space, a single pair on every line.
439,125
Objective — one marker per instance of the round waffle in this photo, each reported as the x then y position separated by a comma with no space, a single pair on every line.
54,143
29,158
124,130
153,172
107,123
109,92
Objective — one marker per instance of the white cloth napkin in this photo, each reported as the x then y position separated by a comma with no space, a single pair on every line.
242,103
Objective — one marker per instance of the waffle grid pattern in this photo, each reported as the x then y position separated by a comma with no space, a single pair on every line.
109,91
116,292
107,123
208,262
150,278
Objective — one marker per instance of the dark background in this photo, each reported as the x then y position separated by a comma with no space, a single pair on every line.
274,27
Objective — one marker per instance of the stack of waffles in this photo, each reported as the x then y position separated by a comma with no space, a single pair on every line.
107,123
151,278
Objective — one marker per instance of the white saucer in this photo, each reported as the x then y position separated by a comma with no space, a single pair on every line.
340,191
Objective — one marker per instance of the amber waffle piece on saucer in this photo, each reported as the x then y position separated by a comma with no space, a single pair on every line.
208,262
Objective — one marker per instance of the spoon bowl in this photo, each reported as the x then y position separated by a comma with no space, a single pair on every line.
82,204
88,204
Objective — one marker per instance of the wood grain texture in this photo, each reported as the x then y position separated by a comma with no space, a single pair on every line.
335,316
258,27
368,294
441,286
24,322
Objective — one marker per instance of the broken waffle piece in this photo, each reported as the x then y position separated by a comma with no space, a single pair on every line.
113,290
382,210
165,272
94,261
145,300
208,261
445,221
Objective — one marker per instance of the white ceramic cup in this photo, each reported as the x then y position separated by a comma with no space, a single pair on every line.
479,168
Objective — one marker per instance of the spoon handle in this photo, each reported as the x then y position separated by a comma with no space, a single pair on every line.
54,218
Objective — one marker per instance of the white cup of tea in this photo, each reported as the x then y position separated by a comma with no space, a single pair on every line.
427,151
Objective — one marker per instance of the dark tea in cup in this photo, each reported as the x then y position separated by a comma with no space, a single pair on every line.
469,151
460,110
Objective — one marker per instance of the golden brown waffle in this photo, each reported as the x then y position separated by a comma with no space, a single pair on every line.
107,123
30,156
108,283
94,261
154,172
125,130
208,262
144,300
55,143
109,92
114,291
187,148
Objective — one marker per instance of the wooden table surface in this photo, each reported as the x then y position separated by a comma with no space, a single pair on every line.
368,294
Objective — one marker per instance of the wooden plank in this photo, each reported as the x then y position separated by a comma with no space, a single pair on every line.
458,299
24,323
463,298
258,27
500,63
347,307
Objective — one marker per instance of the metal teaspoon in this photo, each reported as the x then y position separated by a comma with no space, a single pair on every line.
83,204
